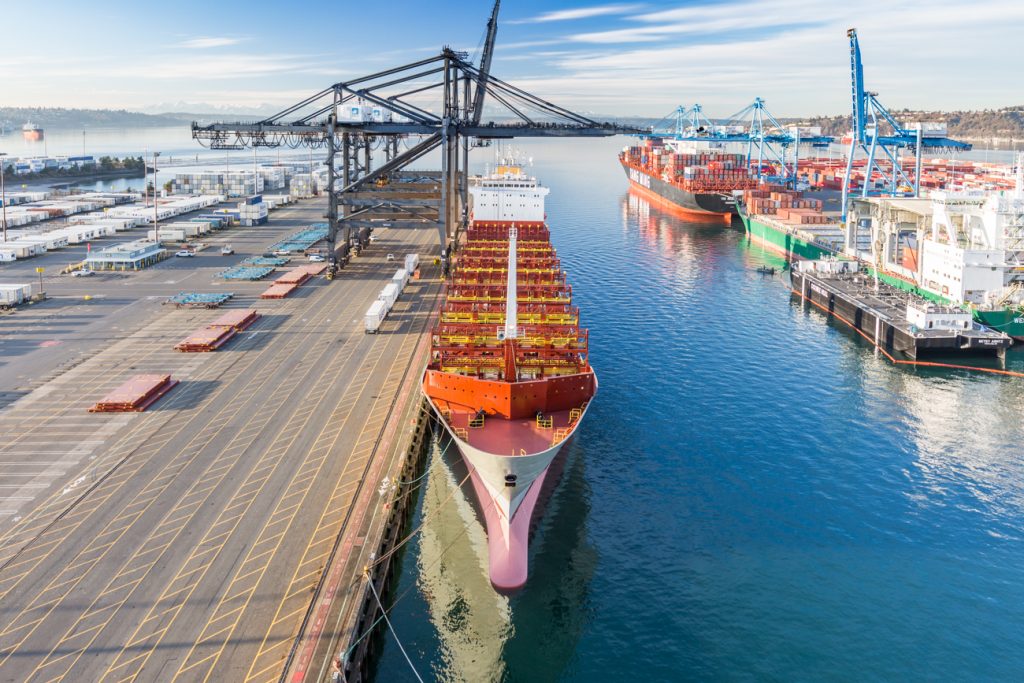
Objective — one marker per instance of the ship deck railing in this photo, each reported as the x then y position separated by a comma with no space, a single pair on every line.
494,280
502,270
500,298
501,262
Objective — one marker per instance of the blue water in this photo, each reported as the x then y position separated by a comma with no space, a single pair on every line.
753,496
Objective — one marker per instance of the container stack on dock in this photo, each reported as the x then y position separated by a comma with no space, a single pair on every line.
253,211
936,174
135,395
301,185
228,184
219,332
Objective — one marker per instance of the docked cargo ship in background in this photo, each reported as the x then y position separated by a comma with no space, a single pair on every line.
960,248
699,183
954,248
32,132
509,374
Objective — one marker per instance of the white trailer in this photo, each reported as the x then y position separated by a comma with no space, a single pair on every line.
400,278
375,316
12,295
389,295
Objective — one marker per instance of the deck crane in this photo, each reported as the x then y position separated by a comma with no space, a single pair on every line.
868,116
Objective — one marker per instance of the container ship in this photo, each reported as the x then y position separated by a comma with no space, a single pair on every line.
31,131
698,183
789,224
509,374
962,249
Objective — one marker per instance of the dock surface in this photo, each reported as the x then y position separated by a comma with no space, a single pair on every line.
185,542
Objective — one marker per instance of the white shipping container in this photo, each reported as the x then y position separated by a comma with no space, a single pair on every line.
400,278
389,295
11,295
167,235
24,249
411,262
375,316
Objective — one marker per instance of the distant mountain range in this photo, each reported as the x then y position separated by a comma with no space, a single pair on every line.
79,119
978,125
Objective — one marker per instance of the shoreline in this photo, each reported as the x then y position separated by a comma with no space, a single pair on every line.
64,182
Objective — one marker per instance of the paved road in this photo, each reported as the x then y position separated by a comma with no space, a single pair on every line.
184,542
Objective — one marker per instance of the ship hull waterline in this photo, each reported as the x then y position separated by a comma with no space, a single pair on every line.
703,207
507,522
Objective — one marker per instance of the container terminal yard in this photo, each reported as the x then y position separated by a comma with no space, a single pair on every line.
212,421
189,538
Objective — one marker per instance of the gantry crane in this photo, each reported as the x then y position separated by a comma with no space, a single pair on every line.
435,103
766,139
868,116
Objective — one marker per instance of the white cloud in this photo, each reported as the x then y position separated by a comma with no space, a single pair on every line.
208,42
580,13
922,53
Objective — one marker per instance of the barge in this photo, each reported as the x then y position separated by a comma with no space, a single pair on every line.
895,320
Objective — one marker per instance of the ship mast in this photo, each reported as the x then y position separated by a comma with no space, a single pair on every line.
511,308
511,301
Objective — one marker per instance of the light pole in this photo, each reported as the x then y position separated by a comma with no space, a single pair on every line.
156,218
145,177
3,194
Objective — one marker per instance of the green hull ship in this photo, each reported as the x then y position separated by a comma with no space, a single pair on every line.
821,241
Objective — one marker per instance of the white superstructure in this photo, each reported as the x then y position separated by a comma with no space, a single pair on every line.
967,247
508,194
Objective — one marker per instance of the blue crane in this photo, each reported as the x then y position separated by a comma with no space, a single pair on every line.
868,115
767,140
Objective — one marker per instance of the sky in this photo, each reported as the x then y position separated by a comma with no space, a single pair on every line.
614,58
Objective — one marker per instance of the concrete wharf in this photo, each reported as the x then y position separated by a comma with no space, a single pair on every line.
190,541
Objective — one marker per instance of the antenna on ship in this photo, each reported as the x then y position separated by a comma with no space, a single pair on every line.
1020,175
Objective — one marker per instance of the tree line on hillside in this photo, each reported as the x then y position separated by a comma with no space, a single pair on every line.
985,123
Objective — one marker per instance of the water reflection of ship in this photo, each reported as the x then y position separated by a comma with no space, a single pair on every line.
471,619
963,431
475,625
657,225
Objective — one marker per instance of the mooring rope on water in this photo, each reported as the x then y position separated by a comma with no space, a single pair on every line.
391,628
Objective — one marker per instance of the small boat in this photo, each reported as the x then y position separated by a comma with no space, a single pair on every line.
766,270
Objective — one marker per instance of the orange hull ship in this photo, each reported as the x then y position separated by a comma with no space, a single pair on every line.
32,132
509,374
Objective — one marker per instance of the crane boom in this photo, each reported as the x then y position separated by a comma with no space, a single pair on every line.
485,64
